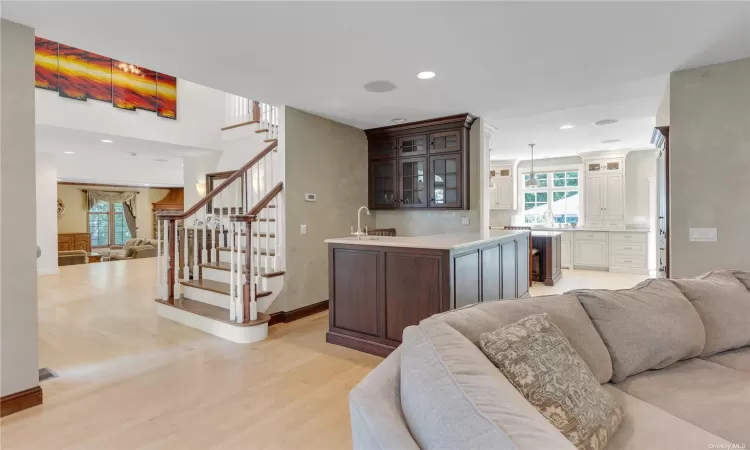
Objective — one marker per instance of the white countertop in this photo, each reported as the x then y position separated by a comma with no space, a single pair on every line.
626,230
445,241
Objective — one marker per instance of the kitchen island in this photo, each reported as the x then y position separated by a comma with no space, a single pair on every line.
380,285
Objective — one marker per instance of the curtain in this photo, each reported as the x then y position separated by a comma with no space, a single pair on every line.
126,198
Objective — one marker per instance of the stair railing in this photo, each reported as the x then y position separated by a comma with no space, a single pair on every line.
240,110
205,227
255,258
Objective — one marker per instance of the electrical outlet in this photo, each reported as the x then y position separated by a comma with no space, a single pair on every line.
464,220
303,229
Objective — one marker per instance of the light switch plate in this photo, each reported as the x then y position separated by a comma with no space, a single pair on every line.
703,235
464,220
303,229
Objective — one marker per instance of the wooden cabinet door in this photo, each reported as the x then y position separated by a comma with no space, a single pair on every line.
413,290
384,185
383,148
445,141
613,199
412,145
594,200
445,181
64,243
413,182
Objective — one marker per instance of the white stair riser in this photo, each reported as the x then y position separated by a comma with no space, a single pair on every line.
225,257
240,335
223,277
202,295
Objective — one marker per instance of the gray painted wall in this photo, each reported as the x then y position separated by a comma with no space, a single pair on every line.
329,159
710,166
19,339
420,223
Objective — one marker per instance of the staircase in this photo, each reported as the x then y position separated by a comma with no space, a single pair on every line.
220,263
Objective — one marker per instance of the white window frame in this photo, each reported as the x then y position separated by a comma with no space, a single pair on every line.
521,187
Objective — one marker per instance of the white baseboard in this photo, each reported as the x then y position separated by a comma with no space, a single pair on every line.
629,270
240,335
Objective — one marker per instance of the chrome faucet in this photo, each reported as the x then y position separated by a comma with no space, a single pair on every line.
359,233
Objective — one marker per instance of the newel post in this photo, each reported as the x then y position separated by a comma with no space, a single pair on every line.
256,111
171,259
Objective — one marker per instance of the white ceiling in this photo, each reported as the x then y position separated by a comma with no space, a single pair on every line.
125,161
526,67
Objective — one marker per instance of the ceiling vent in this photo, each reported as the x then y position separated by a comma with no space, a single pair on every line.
610,141
602,122
379,86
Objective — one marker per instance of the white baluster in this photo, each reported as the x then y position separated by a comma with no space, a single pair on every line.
232,293
177,293
196,235
186,255
253,283
275,202
237,197
204,248
159,258
219,243
269,264
239,278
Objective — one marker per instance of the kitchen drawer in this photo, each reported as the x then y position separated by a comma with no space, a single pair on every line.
591,236
621,236
613,224
627,248
594,224
635,262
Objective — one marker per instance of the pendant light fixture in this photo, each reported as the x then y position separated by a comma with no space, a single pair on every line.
532,176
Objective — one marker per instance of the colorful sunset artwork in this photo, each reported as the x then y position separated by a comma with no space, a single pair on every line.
45,63
80,75
166,96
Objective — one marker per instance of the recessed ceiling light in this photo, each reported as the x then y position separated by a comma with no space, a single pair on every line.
398,120
599,123
379,86
160,160
68,153
567,127
610,141
107,141
426,75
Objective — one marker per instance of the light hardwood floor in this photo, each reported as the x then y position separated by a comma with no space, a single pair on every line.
132,380
587,279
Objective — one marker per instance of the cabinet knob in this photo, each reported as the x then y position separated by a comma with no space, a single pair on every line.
432,200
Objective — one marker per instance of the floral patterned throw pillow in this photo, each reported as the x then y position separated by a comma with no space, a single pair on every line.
538,360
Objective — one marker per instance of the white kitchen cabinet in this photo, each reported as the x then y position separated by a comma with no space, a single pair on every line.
590,249
501,196
566,250
605,203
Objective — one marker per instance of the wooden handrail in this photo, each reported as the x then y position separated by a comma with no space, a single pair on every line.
237,174
262,203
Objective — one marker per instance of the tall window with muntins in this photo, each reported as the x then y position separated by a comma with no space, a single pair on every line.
107,224
556,194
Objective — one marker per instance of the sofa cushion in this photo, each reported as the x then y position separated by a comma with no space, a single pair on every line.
649,326
375,408
538,360
708,395
453,397
564,310
743,276
723,303
736,359
132,243
645,426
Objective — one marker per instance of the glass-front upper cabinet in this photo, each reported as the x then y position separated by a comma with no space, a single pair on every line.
384,185
412,145
445,181
413,183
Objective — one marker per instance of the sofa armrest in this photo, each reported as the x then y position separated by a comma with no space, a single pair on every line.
120,258
149,252
375,408
115,247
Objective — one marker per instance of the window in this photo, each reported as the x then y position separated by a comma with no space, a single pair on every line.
555,194
107,224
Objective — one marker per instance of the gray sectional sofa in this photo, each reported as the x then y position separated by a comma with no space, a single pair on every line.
674,353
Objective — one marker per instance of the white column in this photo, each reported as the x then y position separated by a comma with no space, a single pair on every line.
19,336
488,131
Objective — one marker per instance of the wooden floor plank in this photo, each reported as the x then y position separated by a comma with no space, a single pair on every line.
132,380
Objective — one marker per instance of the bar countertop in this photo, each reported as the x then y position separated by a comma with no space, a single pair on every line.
446,241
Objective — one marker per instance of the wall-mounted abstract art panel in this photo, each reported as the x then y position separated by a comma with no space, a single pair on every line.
81,75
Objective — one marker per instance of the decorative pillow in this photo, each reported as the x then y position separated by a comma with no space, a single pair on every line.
540,362
649,326
723,303
132,243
